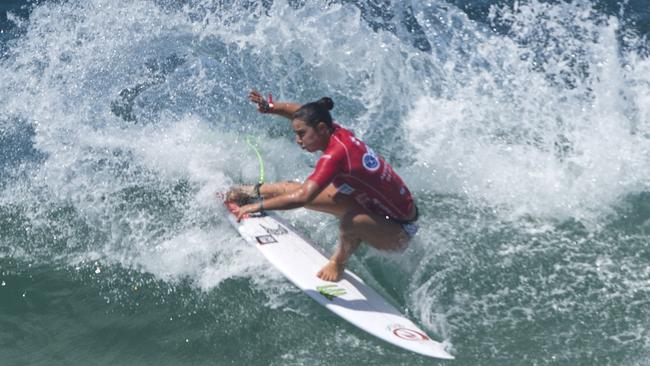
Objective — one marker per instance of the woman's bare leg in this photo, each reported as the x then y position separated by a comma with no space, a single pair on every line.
356,226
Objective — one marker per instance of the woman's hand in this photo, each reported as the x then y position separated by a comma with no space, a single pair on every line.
247,209
257,98
240,194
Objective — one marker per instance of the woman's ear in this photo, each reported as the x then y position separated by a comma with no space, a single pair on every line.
322,128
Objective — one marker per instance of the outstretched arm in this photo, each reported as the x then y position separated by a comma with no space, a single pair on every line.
283,109
304,194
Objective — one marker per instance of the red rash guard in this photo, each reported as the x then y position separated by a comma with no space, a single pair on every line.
356,170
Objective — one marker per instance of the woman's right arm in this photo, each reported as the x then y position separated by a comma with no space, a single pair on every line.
281,108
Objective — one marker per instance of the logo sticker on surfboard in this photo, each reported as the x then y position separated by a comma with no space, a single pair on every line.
265,239
401,331
277,231
331,291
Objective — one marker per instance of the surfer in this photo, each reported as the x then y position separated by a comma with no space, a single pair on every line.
350,181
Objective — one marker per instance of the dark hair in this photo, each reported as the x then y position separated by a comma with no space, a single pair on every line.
315,112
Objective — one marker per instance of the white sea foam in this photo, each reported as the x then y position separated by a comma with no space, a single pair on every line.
563,134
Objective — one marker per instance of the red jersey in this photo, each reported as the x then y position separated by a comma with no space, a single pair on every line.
356,170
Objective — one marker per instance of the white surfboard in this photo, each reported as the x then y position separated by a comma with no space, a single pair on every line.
350,298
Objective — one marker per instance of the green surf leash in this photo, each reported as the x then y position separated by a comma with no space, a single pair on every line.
259,157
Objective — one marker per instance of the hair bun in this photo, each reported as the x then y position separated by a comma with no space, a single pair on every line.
326,102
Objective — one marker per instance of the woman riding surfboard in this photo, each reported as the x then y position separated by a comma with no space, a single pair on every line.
350,181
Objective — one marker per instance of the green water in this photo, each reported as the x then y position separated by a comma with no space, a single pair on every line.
562,296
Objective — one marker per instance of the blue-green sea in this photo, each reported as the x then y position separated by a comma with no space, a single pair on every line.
521,127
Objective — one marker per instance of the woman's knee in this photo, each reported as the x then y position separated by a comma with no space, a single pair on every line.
383,235
350,221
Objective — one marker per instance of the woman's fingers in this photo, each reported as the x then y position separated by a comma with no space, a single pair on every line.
242,211
255,96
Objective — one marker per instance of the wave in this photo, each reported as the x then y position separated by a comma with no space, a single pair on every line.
525,139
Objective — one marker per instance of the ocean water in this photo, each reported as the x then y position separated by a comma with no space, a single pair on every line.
522,127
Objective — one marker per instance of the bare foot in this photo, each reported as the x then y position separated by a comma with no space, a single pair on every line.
331,272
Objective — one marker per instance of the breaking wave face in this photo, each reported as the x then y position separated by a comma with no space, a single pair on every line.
526,140
550,121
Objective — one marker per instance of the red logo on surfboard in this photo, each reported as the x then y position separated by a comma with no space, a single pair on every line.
410,334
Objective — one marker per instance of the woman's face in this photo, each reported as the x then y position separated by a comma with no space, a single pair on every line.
310,138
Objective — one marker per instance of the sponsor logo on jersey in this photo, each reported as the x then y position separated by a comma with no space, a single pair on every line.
370,161
381,207
363,199
345,189
386,174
